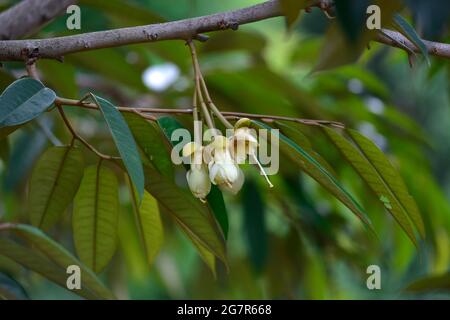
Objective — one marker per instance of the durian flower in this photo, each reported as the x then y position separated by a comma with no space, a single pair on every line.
197,177
243,142
223,170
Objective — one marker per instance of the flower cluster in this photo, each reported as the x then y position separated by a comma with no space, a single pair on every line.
218,162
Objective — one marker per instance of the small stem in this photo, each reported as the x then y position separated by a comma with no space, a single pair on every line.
81,139
198,91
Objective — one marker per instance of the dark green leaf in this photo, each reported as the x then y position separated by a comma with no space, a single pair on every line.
189,213
255,225
36,262
374,177
314,169
24,100
391,178
10,289
124,141
150,140
95,215
54,182
431,283
217,204
408,31
61,257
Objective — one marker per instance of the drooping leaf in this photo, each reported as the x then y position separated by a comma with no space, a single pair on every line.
124,141
430,283
36,262
149,224
302,140
313,168
255,225
169,125
95,216
4,150
57,254
6,131
54,182
10,289
189,213
391,178
373,176
215,197
24,100
217,204
149,139
408,31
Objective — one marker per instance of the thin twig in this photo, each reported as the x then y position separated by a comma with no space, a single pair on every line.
76,136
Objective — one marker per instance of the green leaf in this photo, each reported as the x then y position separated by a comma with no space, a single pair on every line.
6,131
124,141
95,215
215,197
373,171
10,289
215,201
255,225
391,179
61,257
408,31
314,169
430,283
299,138
151,142
54,182
4,150
24,100
38,263
190,214
217,204
149,224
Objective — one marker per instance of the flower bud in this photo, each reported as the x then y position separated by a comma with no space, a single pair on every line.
198,181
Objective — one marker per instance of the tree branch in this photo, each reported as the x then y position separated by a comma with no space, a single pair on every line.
27,16
56,48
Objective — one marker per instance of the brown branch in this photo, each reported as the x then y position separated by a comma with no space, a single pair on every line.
28,16
396,39
55,48
146,113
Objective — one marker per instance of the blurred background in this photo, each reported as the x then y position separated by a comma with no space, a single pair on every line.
294,241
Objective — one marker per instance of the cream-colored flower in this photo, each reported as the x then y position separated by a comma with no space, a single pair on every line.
236,186
244,142
223,170
197,177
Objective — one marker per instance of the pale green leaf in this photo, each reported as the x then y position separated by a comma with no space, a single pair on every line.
149,225
373,176
54,182
391,178
62,258
95,215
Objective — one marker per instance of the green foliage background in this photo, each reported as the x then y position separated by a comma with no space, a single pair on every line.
294,241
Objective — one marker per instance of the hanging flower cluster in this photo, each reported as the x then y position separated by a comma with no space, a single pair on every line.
217,162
